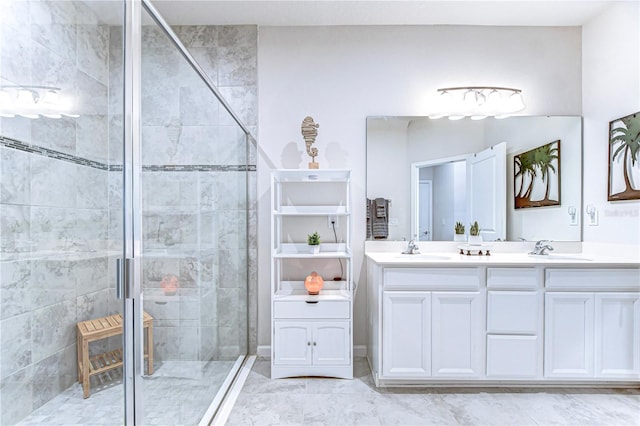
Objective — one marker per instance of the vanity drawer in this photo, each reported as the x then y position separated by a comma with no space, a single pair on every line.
593,279
517,278
432,278
512,356
302,309
512,312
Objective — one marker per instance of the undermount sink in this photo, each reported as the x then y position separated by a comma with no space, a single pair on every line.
565,257
422,256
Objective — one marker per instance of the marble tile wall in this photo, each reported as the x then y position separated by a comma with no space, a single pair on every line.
54,211
60,220
196,222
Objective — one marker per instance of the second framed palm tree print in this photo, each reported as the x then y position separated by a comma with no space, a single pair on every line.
624,158
537,177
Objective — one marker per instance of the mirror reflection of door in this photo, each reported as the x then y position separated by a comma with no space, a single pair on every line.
462,189
448,200
487,193
425,209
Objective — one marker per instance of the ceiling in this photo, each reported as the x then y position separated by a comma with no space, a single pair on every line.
372,12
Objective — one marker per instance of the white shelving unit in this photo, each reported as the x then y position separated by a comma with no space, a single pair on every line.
312,335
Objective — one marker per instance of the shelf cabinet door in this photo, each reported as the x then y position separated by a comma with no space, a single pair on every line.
330,345
406,350
292,343
569,328
617,335
457,334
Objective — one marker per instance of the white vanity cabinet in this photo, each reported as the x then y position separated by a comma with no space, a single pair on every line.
311,334
428,332
592,334
479,321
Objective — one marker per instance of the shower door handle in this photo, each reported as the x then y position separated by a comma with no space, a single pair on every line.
124,277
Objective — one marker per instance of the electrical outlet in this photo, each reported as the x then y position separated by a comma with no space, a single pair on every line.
331,220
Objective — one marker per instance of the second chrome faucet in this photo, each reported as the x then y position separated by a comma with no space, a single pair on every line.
541,248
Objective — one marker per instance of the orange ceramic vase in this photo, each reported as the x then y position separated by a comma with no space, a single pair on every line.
313,283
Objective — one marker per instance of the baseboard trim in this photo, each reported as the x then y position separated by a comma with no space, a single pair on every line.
264,351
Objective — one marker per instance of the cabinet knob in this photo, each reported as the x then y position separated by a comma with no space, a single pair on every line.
308,343
314,343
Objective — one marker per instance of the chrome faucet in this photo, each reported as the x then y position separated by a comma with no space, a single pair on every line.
541,248
412,248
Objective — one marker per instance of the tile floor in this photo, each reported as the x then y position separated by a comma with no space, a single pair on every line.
315,401
178,393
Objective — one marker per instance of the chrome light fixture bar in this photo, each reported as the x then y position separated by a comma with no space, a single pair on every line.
34,102
478,102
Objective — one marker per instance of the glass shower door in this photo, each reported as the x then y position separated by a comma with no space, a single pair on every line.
193,223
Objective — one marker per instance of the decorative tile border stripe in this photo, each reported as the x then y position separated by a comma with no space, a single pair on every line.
200,168
57,155
51,153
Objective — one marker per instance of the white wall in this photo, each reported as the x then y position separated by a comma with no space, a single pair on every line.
611,89
341,75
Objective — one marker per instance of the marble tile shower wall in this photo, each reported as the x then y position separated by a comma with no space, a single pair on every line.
60,220
54,213
196,219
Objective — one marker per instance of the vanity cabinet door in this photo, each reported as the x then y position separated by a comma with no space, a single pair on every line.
568,338
406,351
457,334
617,335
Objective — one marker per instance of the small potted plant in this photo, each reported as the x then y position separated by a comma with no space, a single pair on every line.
314,241
459,235
475,239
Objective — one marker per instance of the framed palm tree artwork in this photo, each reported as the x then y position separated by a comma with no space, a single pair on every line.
624,161
536,177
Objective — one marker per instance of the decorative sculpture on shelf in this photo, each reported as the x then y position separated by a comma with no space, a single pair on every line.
309,133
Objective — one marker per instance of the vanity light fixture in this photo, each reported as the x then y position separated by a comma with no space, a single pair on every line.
478,102
34,102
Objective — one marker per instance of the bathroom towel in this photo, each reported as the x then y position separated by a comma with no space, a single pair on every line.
380,220
381,207
369,221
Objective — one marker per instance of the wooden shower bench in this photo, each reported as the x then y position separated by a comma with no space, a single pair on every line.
101,328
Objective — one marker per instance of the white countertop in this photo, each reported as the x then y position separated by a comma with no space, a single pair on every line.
445,259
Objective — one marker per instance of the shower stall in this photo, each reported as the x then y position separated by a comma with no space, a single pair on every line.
127,176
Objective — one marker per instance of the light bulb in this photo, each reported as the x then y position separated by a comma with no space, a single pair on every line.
5,100
480,98
470,100
514,103
519,103
493,101
26,99
456,117
478,117
51,98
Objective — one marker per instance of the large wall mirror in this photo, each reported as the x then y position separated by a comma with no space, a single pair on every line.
430,174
